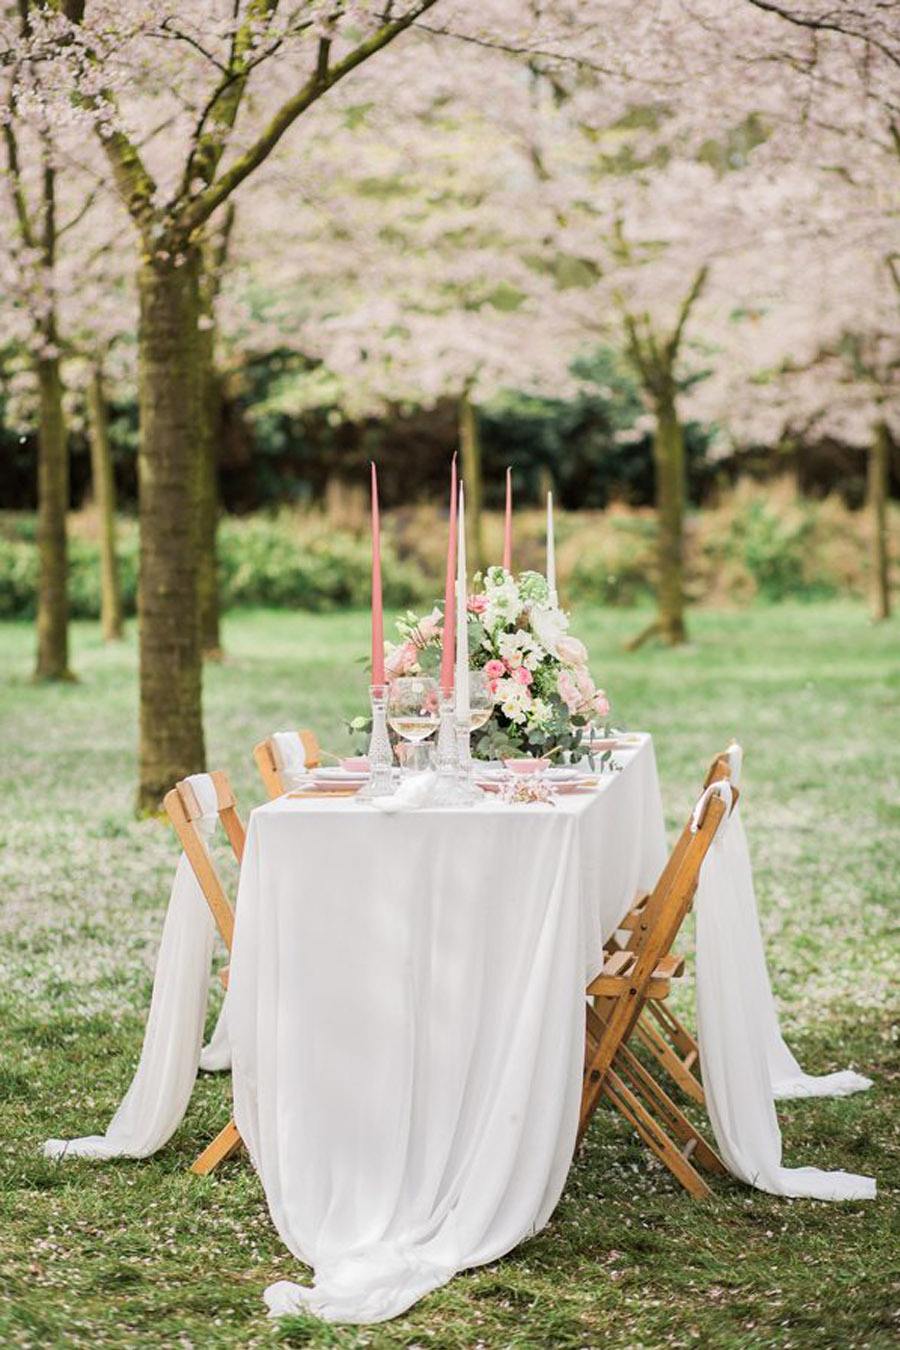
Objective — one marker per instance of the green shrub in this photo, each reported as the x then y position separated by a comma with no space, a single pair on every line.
262,561
757,543
265,561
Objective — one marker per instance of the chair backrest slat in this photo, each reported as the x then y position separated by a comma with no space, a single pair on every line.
269,768
665,913
719,768
184,812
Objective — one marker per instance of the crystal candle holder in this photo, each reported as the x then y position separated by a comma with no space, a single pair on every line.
381,756
447,789
469,791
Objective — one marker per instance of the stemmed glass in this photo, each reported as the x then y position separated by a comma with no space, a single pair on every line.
481,700
413,709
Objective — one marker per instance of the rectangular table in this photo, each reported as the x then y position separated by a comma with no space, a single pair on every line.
406,1013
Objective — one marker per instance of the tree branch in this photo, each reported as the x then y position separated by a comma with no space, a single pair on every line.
830,22
688,303
518,49
134,183
15,180
202,207
220,114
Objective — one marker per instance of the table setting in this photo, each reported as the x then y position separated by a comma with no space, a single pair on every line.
415,929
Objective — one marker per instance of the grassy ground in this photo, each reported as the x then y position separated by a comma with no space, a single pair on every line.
142,1253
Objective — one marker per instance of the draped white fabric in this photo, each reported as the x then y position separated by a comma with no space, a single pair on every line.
155,1103
406,1008
744,1060
216,1056
290,756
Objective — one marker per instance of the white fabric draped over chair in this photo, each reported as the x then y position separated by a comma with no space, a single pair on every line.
155,1103
744,1060
290,754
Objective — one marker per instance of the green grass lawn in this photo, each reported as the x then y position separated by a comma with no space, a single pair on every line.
143,1253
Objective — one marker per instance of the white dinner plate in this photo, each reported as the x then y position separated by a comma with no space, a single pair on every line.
332,773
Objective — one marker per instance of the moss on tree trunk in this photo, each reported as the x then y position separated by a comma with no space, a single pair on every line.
171,721
105,501
470,453
53,500
879,456
668,456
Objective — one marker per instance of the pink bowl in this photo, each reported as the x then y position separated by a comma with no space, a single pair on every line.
356,764
526,766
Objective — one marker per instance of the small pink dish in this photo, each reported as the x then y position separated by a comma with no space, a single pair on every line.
526,766
356,764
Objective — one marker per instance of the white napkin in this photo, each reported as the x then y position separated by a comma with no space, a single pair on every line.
155,1103
412,794
290,756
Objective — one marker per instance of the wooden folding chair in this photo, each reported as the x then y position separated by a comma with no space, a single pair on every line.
184,811
659,1029
267,761
628,982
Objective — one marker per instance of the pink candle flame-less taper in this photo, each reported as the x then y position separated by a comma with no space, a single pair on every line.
377,606
448,648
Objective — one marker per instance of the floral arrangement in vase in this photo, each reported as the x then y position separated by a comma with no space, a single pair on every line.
544,696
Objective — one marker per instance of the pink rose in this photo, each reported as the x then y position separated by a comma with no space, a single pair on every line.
585,685
568,690
494,670
522,675
601,703
400,661
572,651
477,604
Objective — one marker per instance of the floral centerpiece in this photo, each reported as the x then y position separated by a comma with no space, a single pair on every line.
544,696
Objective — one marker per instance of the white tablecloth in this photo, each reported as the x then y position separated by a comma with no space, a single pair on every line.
406,1010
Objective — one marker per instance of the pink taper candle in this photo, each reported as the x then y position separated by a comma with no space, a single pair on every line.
377,607
448,648
507,525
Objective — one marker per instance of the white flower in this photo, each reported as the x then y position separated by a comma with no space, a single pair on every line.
503,602
514,699
549,624
519,649
539,714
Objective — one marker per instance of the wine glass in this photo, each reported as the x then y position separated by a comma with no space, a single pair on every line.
481,700
413,711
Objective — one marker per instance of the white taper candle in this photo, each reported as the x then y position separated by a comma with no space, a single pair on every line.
462,617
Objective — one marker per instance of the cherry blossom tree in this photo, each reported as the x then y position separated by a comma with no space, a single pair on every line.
233,79
406,267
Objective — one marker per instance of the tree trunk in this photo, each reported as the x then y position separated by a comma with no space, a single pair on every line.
470,447
879,455
208,505
171,721
668,454
105,500
53,500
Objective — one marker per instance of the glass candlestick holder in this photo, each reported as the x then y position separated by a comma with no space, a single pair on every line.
447,790
381,756
469,791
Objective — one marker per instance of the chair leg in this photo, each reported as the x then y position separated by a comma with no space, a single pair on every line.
656,1139
679,1070
226,1143
590,1096
694,1145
